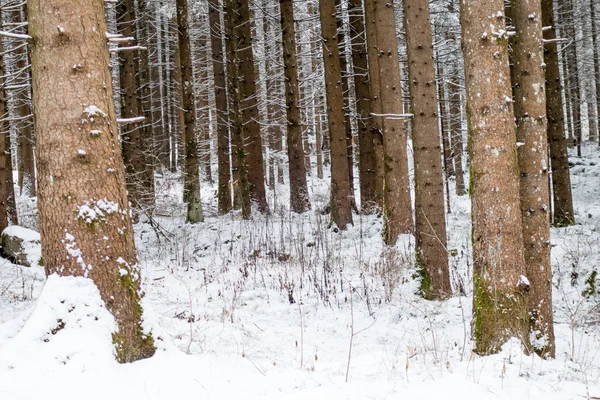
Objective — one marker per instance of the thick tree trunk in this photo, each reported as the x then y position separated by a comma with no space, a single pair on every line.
376,121
561,177
191,181
430,219
367,166
218,60
249,105
241,185
397,211
82,197
299,201
500,300
341,197
530,109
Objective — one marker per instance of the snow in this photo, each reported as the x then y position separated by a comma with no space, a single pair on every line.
266,309
30,242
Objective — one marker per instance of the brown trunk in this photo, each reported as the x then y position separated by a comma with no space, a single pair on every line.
156,91
191,180
299,201
218,59
444,123
133,135
561,177
22,99
500,300
203,110
594,25
248,104
430,221
397,211
341,197
367,166
530,108
241,185
572,61
345,70
177,111
144,94
82,197
7,210
376,120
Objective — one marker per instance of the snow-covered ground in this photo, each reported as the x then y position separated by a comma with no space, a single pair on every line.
285,307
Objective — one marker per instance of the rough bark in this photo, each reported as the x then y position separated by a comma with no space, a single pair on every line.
366,149
82,196
455,123
561,176
299,201
397,212
239,166
499,301
430,221
191,182
341,198
248,103
376,121
530,110
218,60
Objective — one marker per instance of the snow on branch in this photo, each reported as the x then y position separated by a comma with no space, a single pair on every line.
15,35
129,48
130,120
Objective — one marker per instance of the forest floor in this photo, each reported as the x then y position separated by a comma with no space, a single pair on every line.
285,307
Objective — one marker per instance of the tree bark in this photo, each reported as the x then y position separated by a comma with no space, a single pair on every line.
82,197
191,182
561,176
218,60
530,109
22,100
499,301
572,61
430,218
8,212
376,120
299,201
397,206
248,104
367,166
594,25
341,197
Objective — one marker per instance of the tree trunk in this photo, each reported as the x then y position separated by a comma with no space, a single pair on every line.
299,201
239,166
376,120
499,301
572,61
139,175
341,197
248,104
594,25
561,176
158,97
82,197
455,123
191,181
7,194
367,166
530,108
22,100
218,59
397,211
430,219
